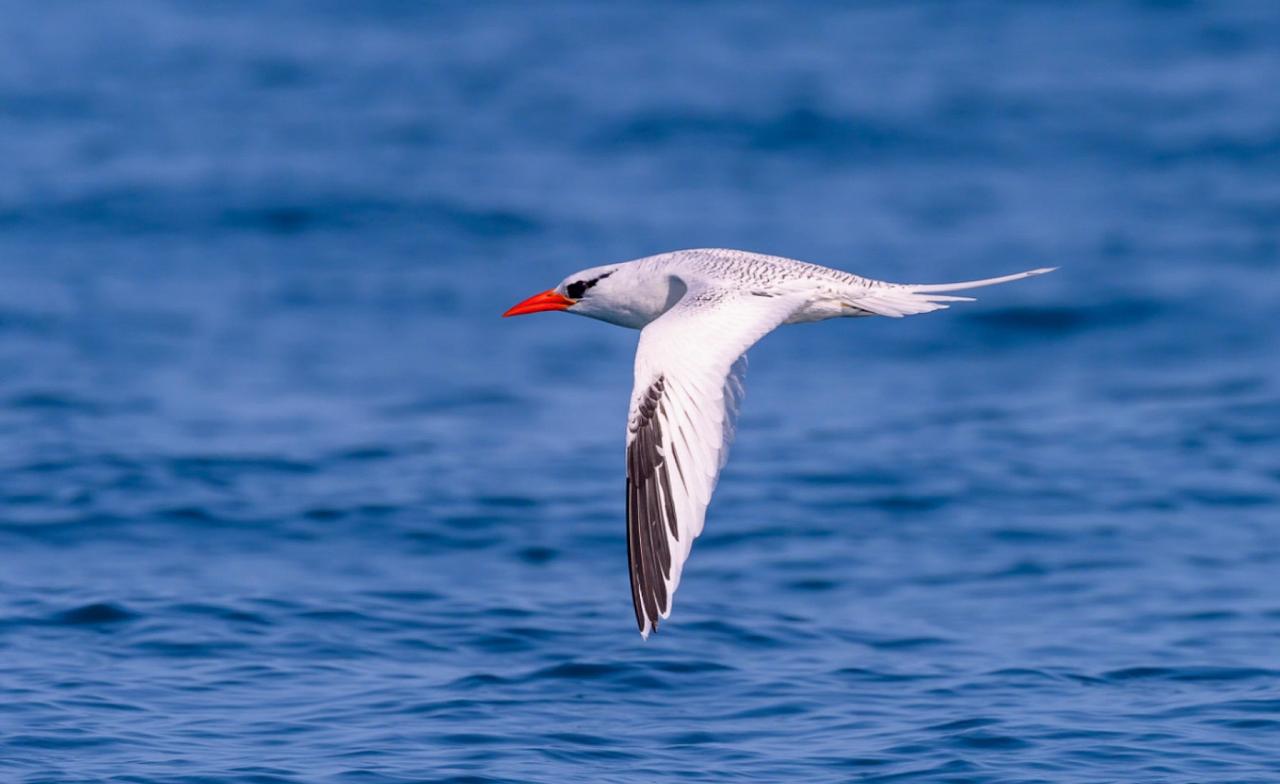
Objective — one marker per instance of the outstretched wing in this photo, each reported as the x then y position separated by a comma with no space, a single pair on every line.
689,370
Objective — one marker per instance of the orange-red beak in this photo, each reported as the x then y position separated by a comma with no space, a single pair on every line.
547,300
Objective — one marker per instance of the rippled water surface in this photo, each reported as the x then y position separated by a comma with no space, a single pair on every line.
282,500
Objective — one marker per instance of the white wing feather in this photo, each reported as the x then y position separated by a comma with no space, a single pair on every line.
689,370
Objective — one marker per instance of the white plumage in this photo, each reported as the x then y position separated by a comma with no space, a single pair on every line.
698,312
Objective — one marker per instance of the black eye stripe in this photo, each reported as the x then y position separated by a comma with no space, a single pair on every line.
578,288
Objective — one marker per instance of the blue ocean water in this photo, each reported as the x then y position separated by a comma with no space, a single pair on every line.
282,500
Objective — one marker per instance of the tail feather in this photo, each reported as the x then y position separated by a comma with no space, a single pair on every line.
908,299
977,284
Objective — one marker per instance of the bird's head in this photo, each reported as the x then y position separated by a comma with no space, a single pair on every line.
622,294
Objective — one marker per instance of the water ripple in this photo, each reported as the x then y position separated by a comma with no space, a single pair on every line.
283,500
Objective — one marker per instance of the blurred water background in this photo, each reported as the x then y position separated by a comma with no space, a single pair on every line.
282,500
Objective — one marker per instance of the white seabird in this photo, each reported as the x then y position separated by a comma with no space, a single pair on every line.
698,311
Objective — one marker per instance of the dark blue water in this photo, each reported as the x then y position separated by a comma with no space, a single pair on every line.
282,500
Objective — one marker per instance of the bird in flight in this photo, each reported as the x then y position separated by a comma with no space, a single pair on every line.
698,311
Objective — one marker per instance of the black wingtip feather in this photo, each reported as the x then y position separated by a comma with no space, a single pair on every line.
650,511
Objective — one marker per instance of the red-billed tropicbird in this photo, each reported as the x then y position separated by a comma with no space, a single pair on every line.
698,311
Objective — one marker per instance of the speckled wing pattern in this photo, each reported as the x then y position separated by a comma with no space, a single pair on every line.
690,364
